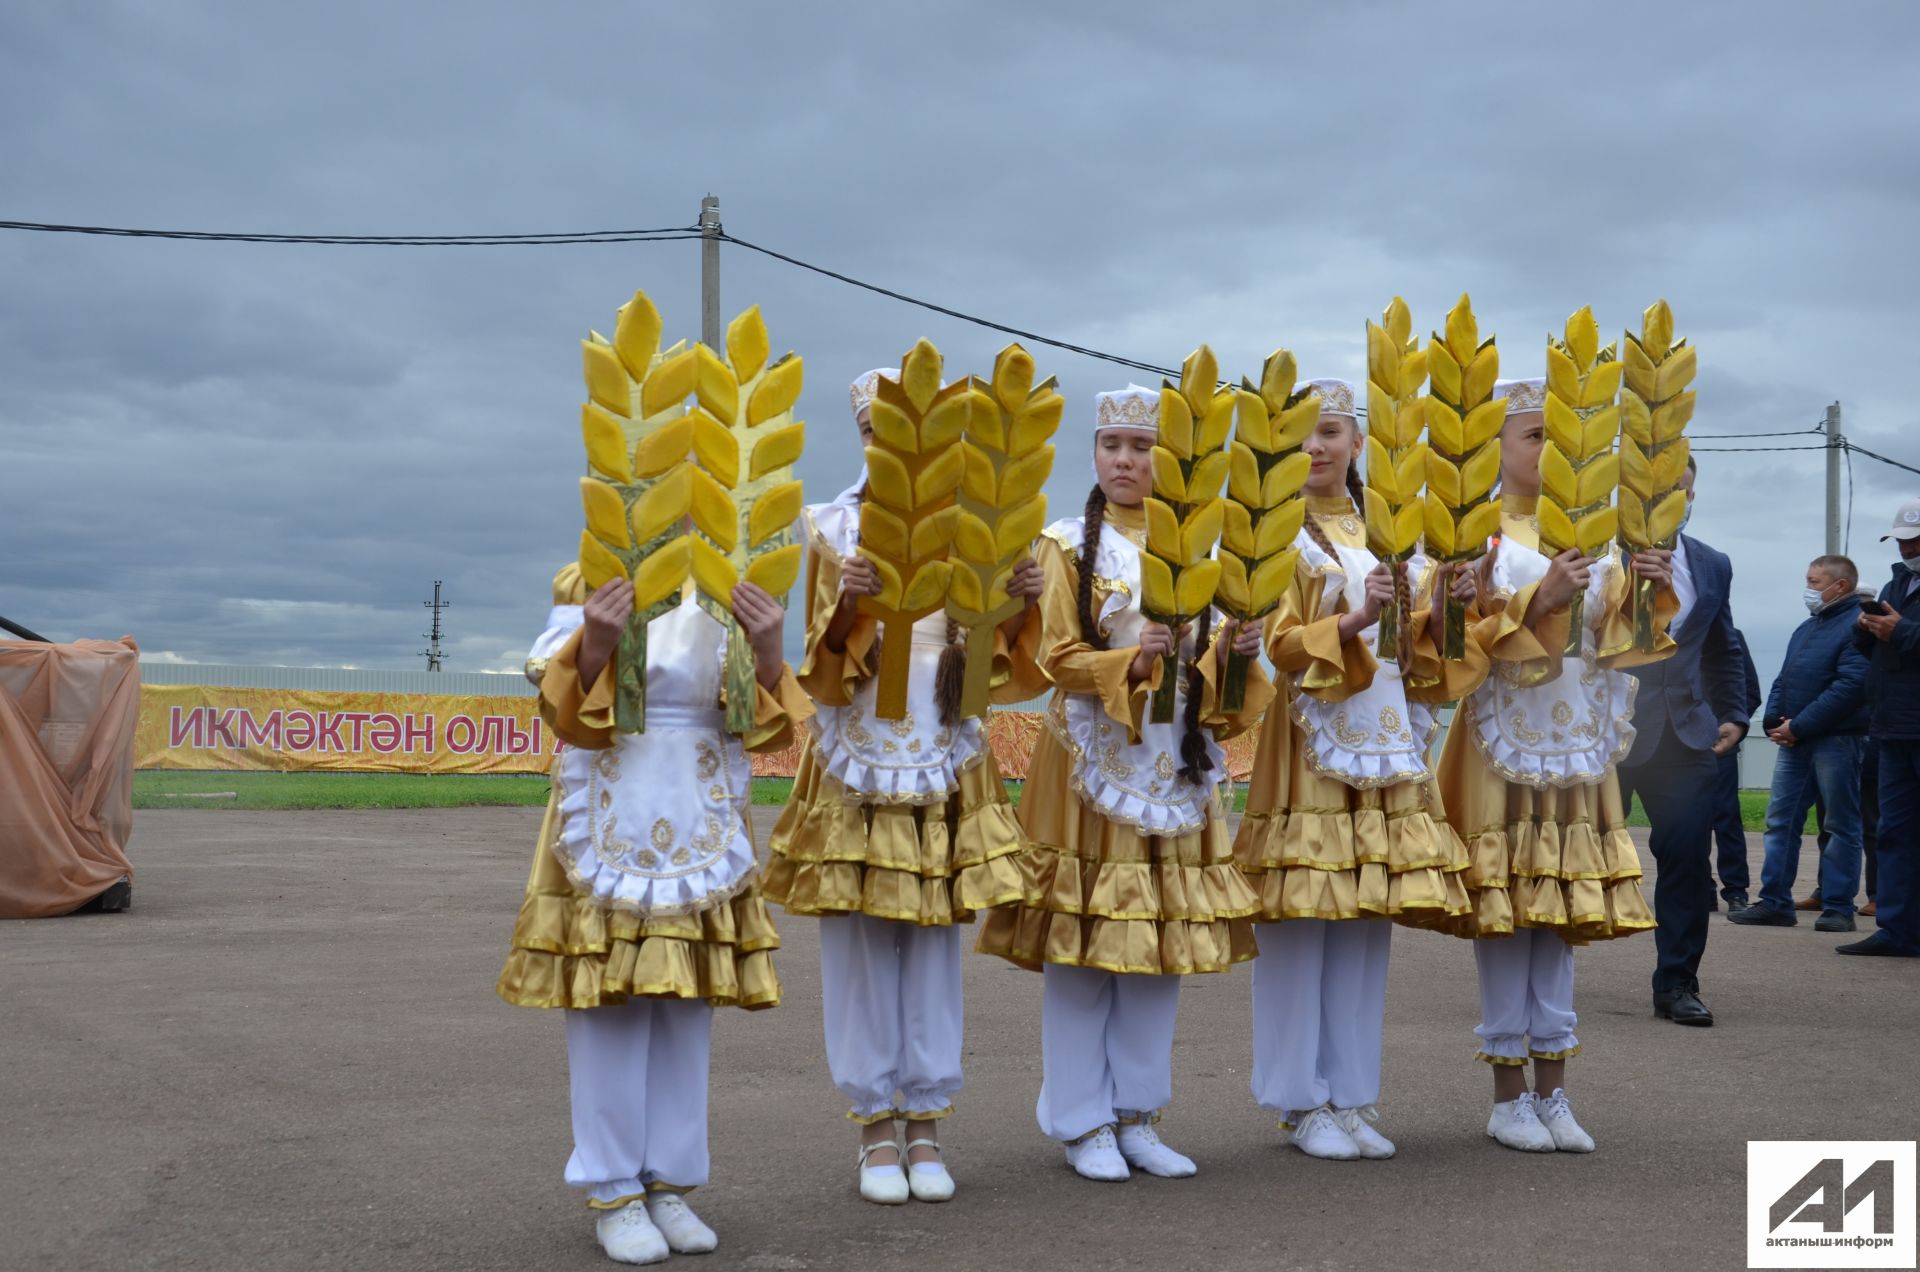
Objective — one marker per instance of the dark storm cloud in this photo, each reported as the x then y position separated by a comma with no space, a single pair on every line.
266,454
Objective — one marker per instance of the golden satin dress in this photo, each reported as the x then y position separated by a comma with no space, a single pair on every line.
1528,770
571,948
906,820
1110,894
1343,824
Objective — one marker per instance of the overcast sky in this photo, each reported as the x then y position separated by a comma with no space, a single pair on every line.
266,454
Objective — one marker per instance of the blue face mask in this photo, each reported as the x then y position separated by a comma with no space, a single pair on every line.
1686,516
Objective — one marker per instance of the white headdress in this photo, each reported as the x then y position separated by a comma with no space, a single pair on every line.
1522,395
864,386
1131,407
1337,397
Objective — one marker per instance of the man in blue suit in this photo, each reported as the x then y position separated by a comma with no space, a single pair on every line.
1689,711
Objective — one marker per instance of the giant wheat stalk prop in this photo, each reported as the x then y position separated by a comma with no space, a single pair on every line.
635,506
1002,510
1396,458
744,498
1579,470
1178,575
1265,509
1654,409
1463,431
908,518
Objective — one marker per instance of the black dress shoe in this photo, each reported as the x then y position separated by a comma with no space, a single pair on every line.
1763,916
1877,945
1682,1007
1737,901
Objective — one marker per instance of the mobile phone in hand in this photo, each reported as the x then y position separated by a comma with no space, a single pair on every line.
1876,608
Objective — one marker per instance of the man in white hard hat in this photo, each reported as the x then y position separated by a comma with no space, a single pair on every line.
1890,637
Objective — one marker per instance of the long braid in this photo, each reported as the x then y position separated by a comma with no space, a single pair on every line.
1193,743
950,678
1095,518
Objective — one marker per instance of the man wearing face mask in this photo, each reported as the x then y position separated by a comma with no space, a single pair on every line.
1889,634
1817,715
1690,709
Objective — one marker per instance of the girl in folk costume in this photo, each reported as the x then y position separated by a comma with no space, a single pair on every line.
643,910
1128,843
1528,774
897,829
1344,834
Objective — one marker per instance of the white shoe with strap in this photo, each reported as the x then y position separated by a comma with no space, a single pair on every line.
1143,1149
1097,1156
1556,1114
628,1234
928,1181
1358,1125
882,1185
684,1231
1516,1124
1319,1134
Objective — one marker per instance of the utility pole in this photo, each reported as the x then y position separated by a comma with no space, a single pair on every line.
1834,445
432,652
710,274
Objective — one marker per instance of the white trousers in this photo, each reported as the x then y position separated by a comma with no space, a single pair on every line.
1106,1048
1526,997
1319,1006
639,1079
894,1014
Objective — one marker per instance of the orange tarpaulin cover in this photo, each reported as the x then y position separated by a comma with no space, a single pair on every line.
66,772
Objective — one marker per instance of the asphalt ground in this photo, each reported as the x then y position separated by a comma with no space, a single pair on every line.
289,1055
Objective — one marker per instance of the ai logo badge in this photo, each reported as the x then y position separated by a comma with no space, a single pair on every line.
1830,1203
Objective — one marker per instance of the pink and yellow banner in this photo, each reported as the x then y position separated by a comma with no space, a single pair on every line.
204,727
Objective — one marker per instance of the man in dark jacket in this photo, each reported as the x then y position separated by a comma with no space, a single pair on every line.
1889,634
1817,714
1688,712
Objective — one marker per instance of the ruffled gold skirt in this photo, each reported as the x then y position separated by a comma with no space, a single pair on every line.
1558,858
931,865
569,953
1315,848
1108,896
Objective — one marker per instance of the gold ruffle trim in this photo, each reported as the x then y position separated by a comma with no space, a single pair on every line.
927,865
1107,896
897,1114
1555,858
568,953
1368,861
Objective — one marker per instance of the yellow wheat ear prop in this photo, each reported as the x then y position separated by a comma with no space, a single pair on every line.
1396,458
1002,511
640,485
908,517
1655,405
744,496
1463,433
1185,513
1579,470
1265,509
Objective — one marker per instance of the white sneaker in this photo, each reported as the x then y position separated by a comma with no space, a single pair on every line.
1097,1156
684,1231
1568,1135
883,1185
628,1235
1141,1145
1517,1125
1318,1134
1372,1144
928,1181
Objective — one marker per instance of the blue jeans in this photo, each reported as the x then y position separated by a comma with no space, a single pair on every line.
1830,768
1899,825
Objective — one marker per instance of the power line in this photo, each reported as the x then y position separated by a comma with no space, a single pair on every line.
1750,450
562,239
1797,432
1084,351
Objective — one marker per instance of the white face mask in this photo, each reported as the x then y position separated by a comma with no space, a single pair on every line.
1911,564
1816,600
1685,516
